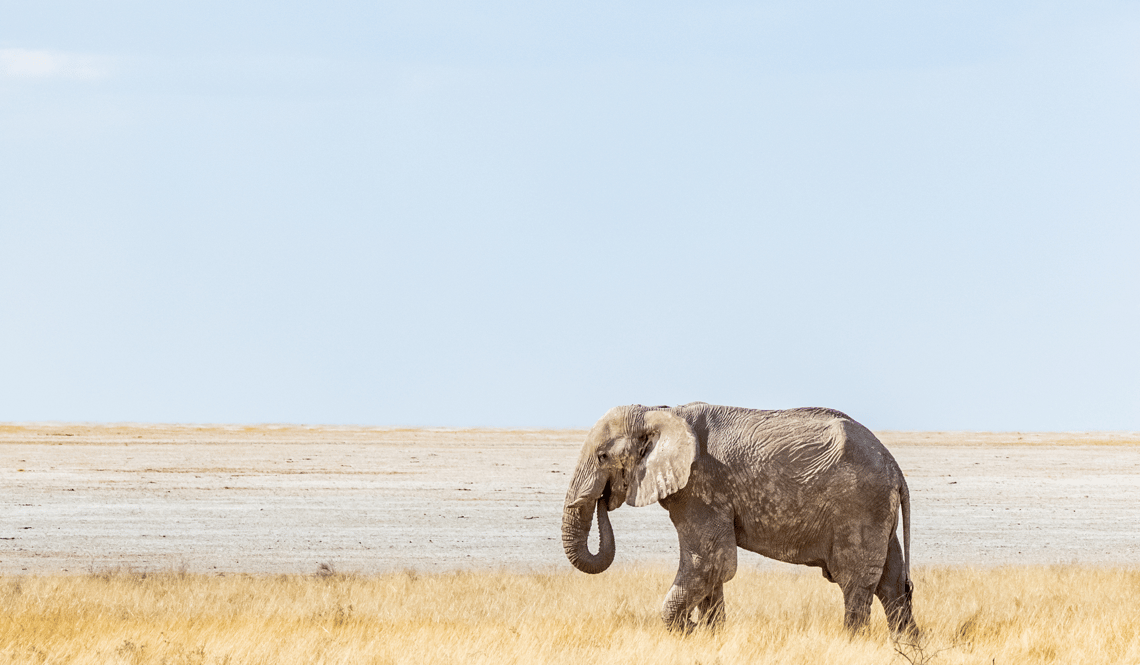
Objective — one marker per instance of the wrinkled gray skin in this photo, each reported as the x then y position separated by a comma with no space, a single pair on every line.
806,486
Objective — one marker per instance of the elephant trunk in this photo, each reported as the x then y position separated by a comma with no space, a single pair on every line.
576,529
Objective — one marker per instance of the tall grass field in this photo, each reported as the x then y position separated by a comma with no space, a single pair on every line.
1012,615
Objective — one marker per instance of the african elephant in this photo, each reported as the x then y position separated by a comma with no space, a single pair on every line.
808,486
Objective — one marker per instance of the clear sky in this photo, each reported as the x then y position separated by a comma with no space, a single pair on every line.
523,213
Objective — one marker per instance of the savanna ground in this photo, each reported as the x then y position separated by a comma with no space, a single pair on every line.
182,544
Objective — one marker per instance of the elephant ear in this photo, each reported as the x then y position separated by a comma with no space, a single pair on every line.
664,468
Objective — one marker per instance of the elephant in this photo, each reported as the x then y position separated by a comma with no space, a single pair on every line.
806,486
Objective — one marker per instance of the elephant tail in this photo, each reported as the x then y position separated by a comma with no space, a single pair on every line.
904,503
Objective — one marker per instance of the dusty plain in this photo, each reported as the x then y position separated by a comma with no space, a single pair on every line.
86,498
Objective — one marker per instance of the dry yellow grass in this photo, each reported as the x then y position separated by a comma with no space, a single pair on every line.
1004,615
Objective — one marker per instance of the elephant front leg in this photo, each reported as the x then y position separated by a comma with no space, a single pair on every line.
699,585
710,611
678,607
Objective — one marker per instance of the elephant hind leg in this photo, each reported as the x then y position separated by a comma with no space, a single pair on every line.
856,605
858,584
894,592
857,567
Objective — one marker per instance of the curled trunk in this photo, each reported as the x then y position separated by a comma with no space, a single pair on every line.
576,529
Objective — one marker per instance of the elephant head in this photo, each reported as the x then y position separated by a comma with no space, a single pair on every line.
634,454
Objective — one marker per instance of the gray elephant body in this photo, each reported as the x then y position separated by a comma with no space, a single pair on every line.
805,486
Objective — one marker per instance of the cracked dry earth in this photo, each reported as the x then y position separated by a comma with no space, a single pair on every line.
289,499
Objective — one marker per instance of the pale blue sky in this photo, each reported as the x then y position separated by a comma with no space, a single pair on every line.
523,213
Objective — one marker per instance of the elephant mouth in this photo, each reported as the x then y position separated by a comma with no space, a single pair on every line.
613,496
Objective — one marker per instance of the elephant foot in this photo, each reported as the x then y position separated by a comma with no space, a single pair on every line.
678,621
678,610
911,634
684,627
711,610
